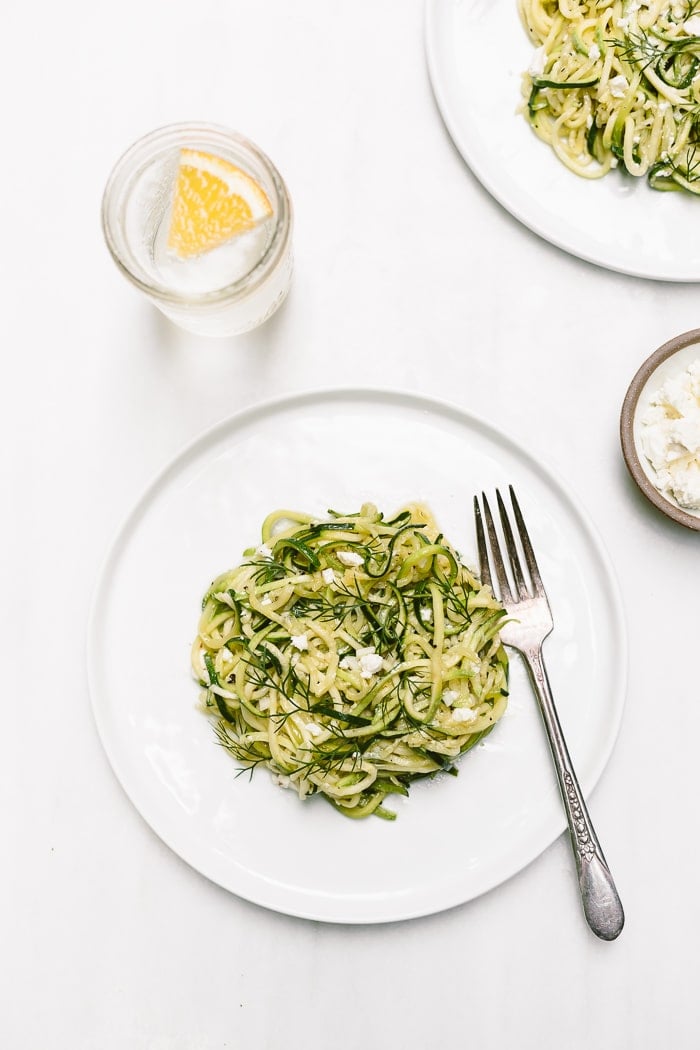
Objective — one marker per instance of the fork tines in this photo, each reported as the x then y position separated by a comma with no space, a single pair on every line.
521,584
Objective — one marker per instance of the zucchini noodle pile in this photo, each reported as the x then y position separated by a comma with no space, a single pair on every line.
351,656
617,82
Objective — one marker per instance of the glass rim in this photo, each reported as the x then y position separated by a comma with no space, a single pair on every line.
274,252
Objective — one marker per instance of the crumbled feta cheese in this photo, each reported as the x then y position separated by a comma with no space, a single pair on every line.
266,600
313,730
281,780
538,62
622,23
671,437
300,641
426,614
594,52
328,575
349,663
685,484
464,714
370,663
618,86
264,551
349,557
449,696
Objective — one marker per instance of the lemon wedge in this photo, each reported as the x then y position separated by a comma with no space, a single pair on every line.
213,201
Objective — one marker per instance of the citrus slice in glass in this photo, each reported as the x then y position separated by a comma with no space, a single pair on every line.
213,201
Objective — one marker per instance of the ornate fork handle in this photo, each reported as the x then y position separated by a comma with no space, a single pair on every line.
601,903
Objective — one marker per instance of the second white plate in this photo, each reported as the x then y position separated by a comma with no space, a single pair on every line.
454,837
477,52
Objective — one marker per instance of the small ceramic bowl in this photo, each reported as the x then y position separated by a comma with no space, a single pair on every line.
670,359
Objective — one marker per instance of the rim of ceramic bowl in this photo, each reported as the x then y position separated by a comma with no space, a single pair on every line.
627,417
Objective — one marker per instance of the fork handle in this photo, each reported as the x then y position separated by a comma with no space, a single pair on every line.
601,903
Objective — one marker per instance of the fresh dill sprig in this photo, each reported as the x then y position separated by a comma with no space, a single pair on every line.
638,49
689,167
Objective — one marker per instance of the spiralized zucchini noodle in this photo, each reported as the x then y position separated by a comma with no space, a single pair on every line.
617,82
351,656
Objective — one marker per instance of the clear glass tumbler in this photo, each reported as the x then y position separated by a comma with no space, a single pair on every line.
220,292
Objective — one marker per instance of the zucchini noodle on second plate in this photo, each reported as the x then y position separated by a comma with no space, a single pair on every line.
351,656
617,82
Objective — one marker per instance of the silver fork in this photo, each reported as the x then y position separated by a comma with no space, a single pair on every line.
529,623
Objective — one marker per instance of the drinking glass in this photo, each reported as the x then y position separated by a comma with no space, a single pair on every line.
228,290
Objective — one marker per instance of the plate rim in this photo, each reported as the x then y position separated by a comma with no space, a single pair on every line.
362,910
433,11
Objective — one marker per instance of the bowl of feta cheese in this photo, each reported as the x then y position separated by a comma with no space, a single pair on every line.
660,429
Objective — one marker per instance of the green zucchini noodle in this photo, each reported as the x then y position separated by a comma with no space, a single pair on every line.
617,82
350,656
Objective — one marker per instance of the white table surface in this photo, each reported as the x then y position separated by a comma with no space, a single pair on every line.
407,274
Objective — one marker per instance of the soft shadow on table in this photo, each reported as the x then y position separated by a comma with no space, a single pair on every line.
654,520
167,339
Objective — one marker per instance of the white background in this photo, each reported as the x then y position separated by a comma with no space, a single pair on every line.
407,274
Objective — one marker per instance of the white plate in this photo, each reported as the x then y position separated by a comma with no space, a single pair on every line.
477,52
454,837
